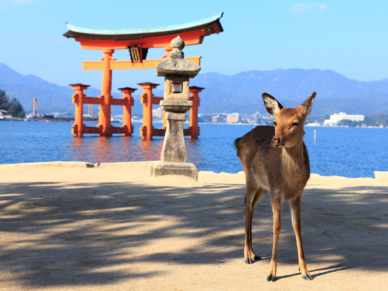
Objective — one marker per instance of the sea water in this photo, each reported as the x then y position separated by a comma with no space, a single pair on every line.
349,152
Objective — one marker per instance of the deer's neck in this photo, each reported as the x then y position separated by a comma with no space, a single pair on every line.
293,160
295,171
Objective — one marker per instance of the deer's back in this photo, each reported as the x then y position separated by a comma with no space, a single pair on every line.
258,139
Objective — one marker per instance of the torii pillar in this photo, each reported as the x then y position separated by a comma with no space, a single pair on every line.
146,99
106,89
127,110
194,128
78,99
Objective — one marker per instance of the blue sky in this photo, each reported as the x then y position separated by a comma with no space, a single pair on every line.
349,37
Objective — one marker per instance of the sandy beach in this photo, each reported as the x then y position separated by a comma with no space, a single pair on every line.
75,226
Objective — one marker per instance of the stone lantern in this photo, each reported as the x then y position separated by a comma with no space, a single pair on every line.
176,103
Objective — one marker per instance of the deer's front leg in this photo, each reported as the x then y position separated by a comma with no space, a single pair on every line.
249,208
277,227
296,224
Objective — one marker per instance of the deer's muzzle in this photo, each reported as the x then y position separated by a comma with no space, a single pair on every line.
276,142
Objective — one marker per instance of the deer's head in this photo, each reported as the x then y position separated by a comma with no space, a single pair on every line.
289,122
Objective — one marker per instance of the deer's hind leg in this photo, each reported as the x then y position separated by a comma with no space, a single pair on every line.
277,227
296,224
252,198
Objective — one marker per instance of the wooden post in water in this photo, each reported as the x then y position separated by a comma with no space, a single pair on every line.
127,109
78,99
194,129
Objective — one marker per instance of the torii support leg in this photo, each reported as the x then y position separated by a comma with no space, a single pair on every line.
127,110
194,128
78,99
106,88
146,99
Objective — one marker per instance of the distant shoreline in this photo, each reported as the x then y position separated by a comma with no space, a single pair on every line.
211,123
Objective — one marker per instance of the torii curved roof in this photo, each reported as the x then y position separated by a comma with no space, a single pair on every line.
129,34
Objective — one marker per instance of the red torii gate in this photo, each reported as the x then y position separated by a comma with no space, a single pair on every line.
137,41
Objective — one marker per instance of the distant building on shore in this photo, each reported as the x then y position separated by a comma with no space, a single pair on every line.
337,117
4,114
233,118
218,119
256,116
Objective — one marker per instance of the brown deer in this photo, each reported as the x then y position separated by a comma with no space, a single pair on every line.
275,159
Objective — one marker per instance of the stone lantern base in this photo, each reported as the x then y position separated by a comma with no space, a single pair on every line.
169,168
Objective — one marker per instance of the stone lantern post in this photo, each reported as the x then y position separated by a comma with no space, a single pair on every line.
176,103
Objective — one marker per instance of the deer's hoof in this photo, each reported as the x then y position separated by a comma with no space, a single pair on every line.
251,261
307,277
271,278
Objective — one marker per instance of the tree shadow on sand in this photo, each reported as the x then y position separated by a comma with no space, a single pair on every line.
78,234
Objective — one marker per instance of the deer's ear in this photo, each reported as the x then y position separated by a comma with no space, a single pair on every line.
308,104
271,104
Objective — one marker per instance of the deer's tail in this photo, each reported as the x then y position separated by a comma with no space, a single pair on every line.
237,145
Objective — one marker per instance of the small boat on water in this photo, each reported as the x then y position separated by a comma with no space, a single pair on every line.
313,124
112,120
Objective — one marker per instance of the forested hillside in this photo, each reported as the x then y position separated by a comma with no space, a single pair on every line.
11,105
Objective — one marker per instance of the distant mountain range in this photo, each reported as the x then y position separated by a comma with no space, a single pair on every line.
335,93
236,93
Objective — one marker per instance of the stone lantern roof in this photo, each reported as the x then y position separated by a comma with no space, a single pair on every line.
176,64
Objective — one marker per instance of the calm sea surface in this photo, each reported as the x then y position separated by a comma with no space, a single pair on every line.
349,152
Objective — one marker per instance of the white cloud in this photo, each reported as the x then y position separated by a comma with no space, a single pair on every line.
304,8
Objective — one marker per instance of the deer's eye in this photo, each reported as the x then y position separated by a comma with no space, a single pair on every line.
274,123
295,124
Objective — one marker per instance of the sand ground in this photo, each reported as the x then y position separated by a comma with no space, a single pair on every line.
113,228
